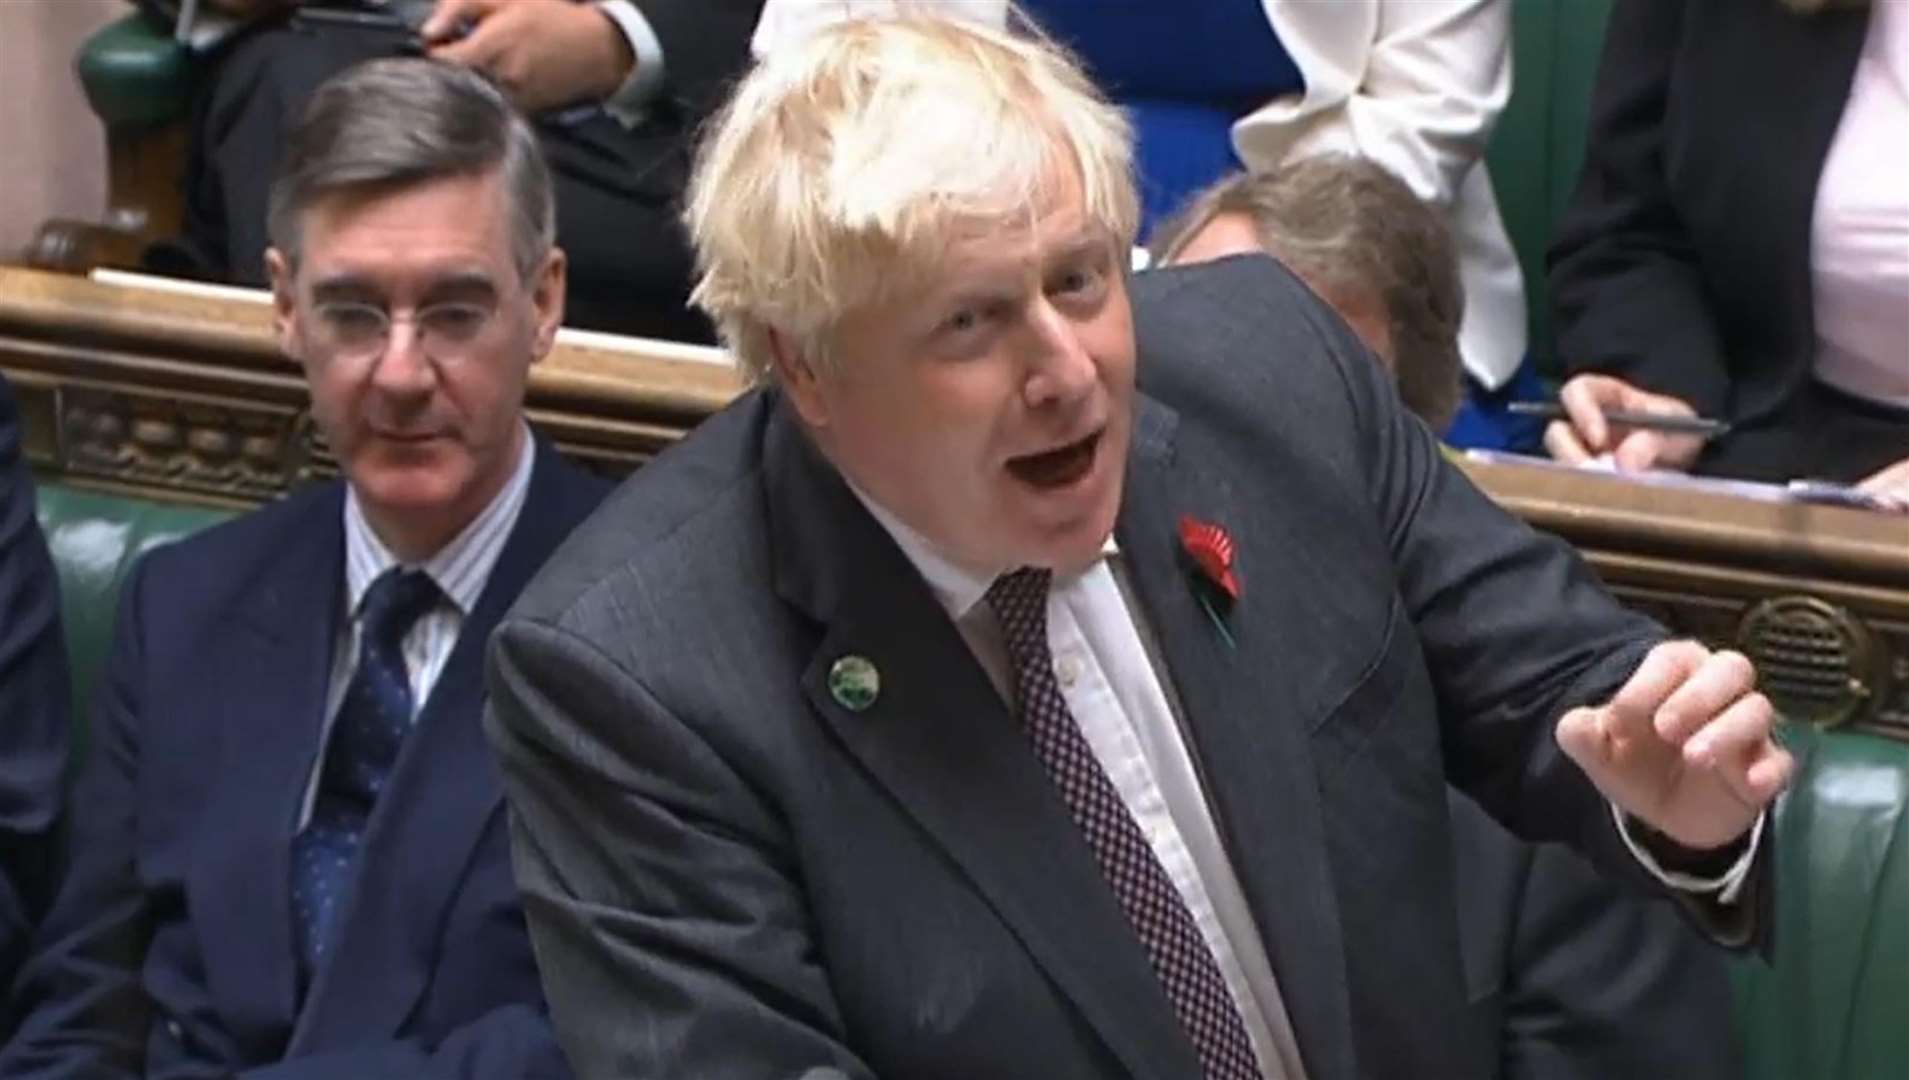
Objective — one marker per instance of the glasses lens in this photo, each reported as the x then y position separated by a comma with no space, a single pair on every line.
352,329
451,329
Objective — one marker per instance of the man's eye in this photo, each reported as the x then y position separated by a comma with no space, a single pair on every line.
455,322
354,321
1078,282
961,321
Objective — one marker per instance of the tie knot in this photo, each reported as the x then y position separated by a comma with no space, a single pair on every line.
395,601
1019,600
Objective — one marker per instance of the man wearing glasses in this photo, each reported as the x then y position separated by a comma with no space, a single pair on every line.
289,849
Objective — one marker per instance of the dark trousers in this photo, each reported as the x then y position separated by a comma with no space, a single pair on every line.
618,190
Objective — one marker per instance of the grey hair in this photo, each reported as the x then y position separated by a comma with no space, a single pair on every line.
1346,225
397,122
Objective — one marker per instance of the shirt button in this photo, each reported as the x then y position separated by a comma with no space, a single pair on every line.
1068,669
177,1032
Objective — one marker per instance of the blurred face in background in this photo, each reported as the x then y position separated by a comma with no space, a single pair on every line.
1234,234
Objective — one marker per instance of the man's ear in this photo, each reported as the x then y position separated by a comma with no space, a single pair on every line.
798,378
546,299
284,303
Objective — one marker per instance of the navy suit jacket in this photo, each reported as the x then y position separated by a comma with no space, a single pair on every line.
33,700
168,952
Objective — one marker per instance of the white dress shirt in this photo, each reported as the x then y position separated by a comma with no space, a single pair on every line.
1859,237
460,568
1129,719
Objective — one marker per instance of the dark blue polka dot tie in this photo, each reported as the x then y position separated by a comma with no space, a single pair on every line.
1160,917
372,721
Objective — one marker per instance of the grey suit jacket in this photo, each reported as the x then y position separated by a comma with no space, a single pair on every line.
729,874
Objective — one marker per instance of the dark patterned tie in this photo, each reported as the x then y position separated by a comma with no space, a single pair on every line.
372,721
1159,915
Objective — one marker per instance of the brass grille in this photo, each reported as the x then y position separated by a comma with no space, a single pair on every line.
1814,661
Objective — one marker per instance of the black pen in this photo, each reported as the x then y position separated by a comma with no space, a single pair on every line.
1676,425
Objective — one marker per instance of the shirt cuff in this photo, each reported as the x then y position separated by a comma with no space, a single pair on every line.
1726,887
630,102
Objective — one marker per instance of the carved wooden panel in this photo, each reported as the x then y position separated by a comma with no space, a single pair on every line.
1816,596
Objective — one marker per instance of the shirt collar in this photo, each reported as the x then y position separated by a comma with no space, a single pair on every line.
957,589
460,568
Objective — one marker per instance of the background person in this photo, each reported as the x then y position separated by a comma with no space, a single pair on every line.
289,849
616,90
1738,245
35,731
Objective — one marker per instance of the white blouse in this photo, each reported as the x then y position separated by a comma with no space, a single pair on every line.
1859,246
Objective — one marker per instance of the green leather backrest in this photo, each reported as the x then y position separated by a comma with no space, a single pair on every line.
1538,147
1833,1004
135,75
95,538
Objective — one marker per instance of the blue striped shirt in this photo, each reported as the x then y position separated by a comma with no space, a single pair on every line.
460,568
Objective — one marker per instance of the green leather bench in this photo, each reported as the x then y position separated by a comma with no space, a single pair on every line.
1538,146
95,538
140,83
1831,1004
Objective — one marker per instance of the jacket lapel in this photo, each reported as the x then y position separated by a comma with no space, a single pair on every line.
444,791
272,699
939,739
1244,722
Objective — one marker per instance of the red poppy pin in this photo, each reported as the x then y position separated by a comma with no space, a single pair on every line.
1210,549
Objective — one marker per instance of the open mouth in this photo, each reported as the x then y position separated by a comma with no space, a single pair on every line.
1057,468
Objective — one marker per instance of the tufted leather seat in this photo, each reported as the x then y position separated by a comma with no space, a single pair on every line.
95,538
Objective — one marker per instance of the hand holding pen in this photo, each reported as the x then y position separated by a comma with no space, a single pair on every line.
1606,415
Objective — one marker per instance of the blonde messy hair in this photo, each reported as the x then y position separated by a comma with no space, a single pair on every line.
845,163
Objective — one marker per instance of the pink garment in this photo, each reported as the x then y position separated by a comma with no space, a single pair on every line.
1859,246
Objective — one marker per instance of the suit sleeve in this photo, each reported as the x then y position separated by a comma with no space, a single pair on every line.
34,729
1590,980
1627,290
673,937
81,1006
1432,85
509,1043
1515,631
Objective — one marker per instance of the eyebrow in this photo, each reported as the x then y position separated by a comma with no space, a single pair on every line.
1087,243
344,287
458,285
468,285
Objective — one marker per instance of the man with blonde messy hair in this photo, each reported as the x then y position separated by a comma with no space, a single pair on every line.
951,707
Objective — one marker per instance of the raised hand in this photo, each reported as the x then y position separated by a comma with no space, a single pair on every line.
1684,745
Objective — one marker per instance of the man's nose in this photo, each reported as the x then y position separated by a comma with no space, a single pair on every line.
403,367
1060,369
